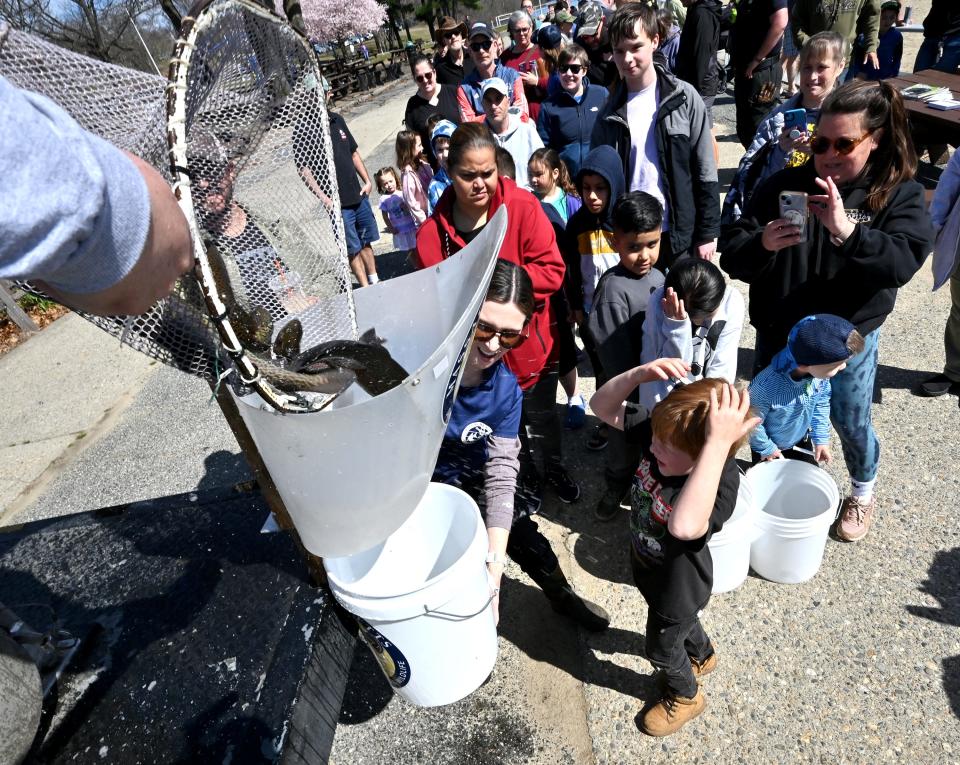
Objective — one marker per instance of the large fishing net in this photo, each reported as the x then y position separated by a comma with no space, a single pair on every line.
243,134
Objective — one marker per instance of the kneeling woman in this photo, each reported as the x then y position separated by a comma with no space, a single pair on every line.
480,451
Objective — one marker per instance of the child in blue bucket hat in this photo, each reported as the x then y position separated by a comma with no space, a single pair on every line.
792,395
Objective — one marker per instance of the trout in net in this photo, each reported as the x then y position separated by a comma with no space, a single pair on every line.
329,367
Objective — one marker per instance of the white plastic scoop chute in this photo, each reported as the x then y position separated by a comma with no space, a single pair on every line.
351,474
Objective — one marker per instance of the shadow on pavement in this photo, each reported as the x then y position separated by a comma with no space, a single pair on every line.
725,177
901,379
941,583
527,621
393,264
602,549
224,468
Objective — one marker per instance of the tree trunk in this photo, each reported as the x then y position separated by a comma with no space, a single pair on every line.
171,12
392,18
291,8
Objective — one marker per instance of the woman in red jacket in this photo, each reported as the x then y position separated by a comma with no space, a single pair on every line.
476,193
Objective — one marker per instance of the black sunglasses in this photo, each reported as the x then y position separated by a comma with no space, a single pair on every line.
425,77
572,68
509,338
476,47
843,146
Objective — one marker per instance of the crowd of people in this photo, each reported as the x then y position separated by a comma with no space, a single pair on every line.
594,129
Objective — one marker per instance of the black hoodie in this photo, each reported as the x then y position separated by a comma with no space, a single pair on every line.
857,279
586,245
697,55
943,19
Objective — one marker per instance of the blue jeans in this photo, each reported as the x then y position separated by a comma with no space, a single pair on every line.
360,226
851,399
927,55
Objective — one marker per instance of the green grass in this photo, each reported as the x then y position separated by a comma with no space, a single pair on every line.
33,301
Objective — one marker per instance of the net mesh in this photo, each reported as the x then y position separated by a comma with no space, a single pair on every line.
258,176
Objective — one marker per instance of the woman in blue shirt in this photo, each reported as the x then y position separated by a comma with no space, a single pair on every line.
481,447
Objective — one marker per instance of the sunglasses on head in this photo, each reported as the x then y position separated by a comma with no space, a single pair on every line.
425,77
476,47
509,338
843,146
572,68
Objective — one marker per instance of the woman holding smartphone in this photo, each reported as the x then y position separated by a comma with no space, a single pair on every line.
866,234
783,138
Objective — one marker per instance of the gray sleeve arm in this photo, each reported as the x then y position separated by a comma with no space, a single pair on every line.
76,211
501,470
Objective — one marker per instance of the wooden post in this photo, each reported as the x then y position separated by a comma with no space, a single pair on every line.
229,408
15,312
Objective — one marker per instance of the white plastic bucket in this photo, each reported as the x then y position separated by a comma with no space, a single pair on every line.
350,474
730,547
424,600
796,504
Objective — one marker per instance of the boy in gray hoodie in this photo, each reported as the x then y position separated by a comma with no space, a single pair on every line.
616,322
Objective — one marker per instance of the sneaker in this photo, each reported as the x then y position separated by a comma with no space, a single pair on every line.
856,515
937,385
566,488
576,416
705,667
671,713
609,505
598,439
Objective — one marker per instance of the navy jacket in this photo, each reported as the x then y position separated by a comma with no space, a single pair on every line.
602,161
566,125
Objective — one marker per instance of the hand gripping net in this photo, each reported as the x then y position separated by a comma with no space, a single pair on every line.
250,155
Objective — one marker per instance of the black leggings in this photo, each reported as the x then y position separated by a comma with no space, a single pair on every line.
540,427
567,344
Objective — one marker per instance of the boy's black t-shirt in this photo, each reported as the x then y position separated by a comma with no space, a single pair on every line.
675,576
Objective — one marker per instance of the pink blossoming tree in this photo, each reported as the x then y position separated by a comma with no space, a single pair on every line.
336,19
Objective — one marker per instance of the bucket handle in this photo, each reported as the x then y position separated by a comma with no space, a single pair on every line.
461,617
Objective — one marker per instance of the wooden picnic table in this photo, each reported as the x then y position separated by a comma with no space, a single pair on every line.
357,75
934,124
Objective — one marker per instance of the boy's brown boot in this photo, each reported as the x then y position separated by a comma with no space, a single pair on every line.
671,713
705,667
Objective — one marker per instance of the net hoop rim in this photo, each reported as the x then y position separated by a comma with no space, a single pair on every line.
201,16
